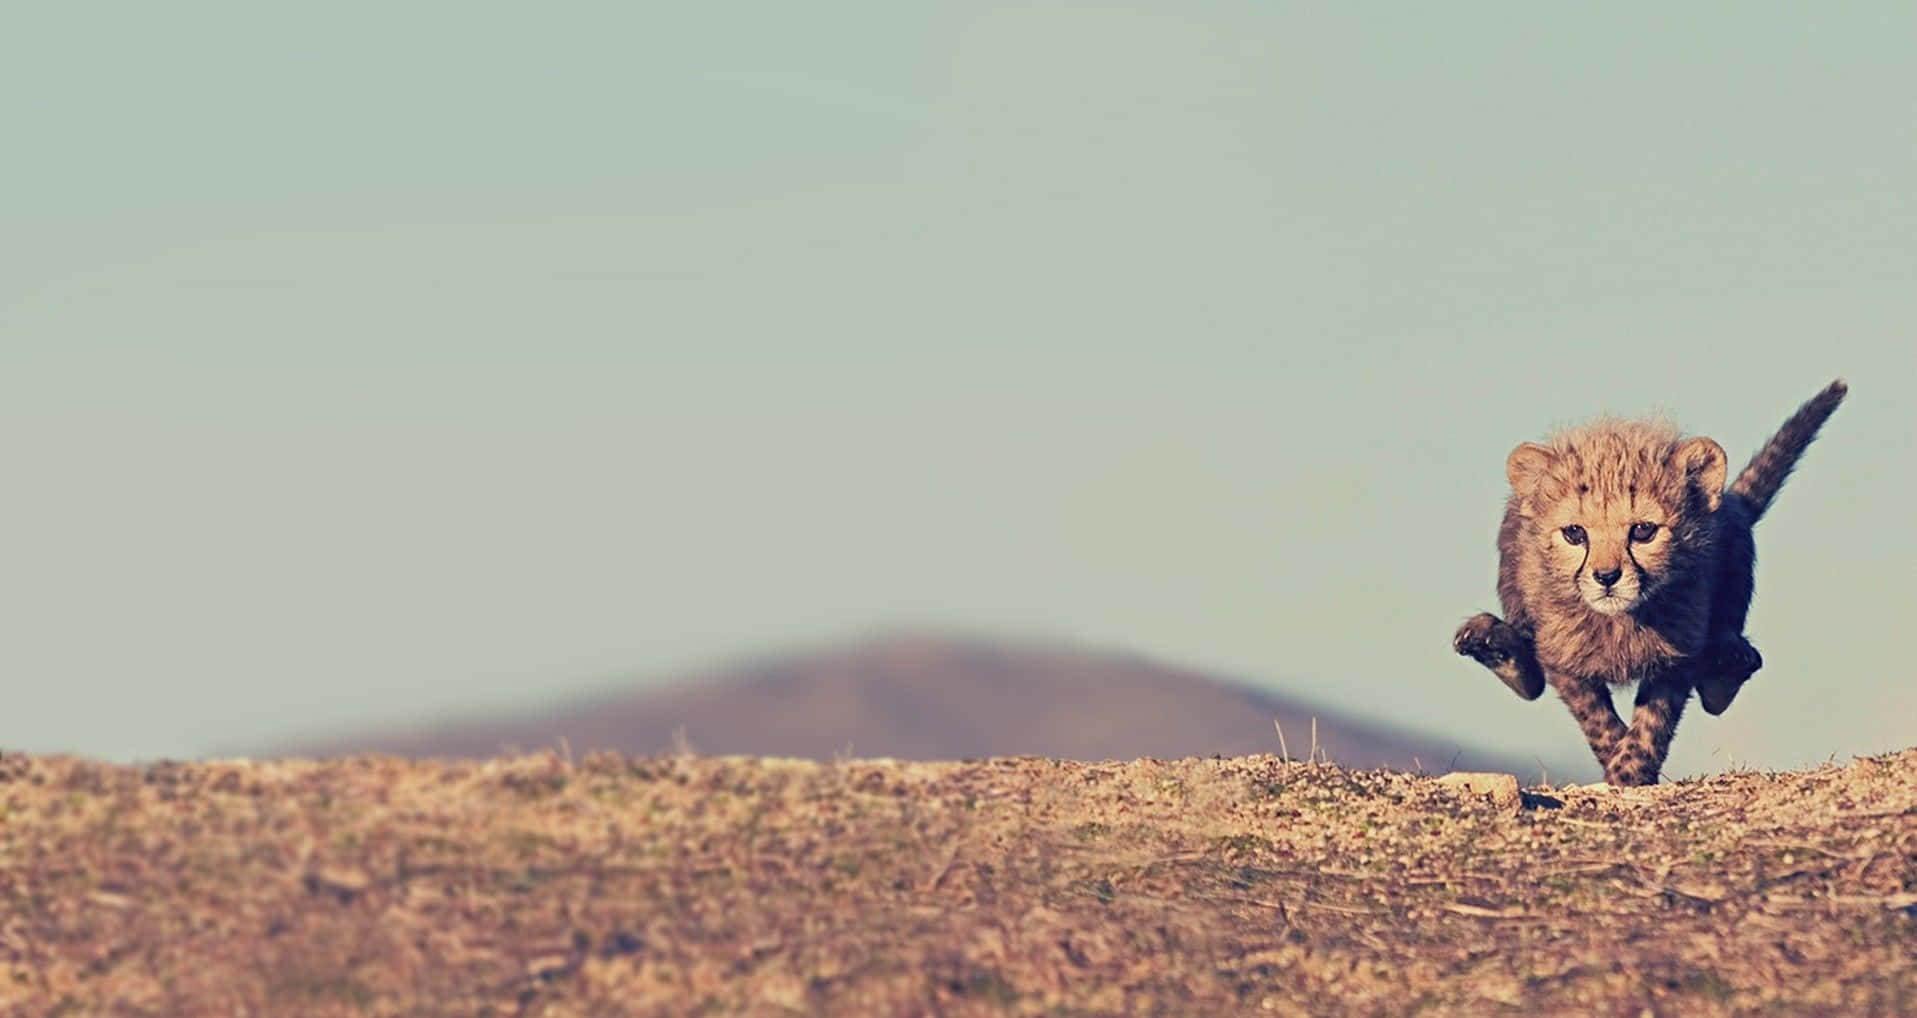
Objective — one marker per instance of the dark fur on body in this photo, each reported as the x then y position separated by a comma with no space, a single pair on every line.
1623,557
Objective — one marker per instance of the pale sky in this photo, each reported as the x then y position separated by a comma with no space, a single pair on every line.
365,363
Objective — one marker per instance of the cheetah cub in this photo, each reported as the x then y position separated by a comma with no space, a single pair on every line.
1624,558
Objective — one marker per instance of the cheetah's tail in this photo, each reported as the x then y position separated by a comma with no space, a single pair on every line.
1766,472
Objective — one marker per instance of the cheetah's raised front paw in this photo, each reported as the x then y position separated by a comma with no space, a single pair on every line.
1493,643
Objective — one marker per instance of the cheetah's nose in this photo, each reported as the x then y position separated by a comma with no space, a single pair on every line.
1609,576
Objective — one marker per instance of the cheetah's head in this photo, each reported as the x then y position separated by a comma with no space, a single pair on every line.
1618,508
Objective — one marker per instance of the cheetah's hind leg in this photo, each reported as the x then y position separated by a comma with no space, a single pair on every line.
1722,669
1501,647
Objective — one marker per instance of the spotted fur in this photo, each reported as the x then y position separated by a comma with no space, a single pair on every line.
1623,557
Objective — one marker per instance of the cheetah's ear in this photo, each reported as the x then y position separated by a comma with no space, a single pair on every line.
1526,465
1703,463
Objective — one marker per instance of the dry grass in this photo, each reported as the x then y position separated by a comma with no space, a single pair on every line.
612,886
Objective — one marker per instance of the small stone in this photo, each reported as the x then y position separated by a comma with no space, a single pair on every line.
550,966
1500,789
107,899
1702,891
346,878
346,882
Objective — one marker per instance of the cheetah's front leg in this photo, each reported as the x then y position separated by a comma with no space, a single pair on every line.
1640,754
1723,668
1590,703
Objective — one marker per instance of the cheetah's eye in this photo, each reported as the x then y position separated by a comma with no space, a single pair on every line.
1573,534
1642,532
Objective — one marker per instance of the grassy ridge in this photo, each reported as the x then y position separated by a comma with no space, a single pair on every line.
534,886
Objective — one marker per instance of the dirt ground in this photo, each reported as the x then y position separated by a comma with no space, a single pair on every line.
739,886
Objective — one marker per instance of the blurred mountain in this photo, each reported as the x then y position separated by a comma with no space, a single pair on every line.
933,697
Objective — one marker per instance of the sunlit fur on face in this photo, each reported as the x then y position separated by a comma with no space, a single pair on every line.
1612,506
